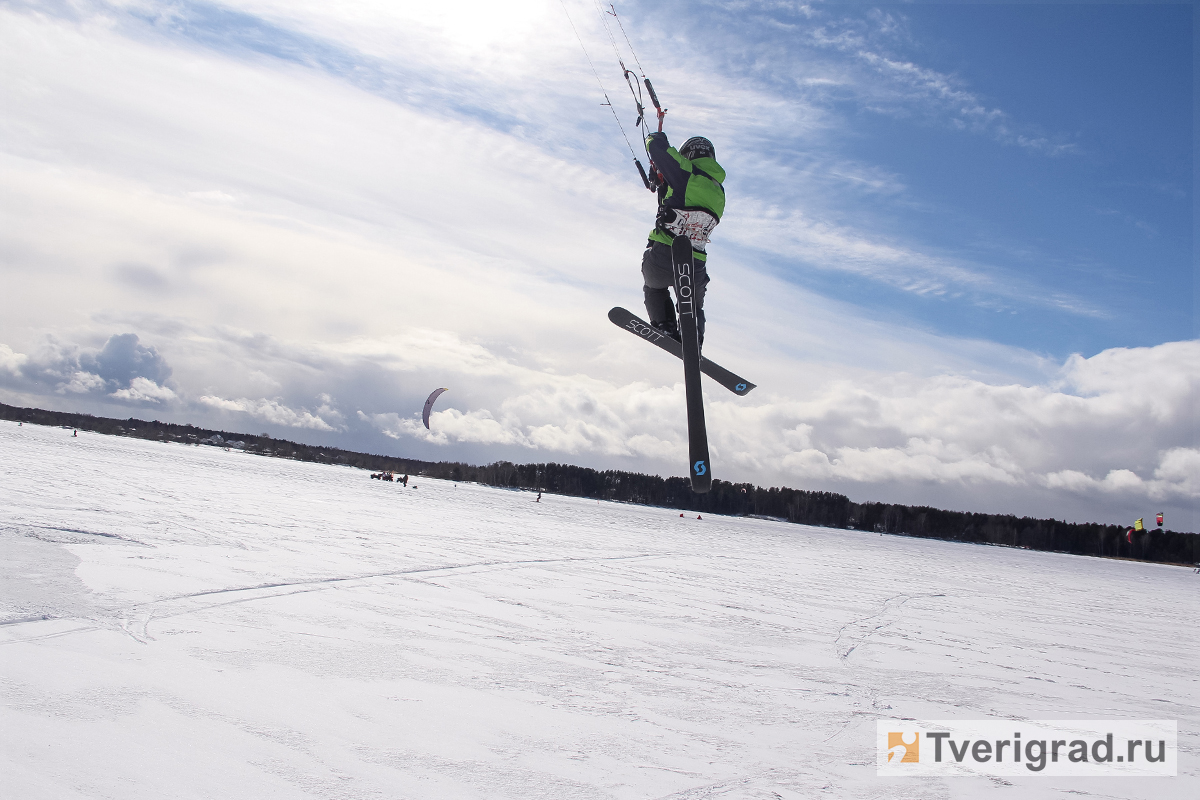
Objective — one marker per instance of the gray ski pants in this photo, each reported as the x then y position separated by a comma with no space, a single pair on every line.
658,273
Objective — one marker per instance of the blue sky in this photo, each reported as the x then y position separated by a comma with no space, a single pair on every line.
1075,185
957,255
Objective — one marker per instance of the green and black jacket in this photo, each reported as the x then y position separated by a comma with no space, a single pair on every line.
688,186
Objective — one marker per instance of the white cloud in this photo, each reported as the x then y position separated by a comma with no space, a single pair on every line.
122,369
475,426
956,430
1179,471
904,87
271,411
828,246
144,390
82,383
213,196
1088,435
880,430
1175,477
11,362
451,426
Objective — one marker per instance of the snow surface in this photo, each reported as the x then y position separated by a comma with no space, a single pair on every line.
191,622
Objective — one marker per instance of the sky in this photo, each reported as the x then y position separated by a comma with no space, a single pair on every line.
957,254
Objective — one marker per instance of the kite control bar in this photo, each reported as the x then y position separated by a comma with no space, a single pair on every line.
645,177
635,88
653,180
662,112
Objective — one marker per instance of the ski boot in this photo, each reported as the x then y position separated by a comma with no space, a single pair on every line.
668,328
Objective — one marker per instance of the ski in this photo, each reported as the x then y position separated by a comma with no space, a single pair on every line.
642,329
699,470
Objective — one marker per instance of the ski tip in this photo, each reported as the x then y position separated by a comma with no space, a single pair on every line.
701,480
744,388
617,313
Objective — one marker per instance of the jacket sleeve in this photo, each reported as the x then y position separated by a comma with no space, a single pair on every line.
664,157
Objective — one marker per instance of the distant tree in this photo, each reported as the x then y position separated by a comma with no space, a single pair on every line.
794,505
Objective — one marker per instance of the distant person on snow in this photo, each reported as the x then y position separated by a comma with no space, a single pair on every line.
691,201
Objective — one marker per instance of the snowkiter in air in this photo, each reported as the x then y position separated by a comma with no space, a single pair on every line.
691,201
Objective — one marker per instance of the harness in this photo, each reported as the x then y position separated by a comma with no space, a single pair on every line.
695,223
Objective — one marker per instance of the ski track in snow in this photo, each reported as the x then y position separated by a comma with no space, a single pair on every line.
192,622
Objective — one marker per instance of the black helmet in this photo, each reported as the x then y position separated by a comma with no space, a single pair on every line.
697,147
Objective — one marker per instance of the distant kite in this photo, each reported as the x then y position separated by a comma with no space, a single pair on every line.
1158,518
429,405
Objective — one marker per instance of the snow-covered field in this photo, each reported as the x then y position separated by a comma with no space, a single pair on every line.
189,622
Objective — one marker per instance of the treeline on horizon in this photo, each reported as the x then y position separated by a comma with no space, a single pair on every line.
824,509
